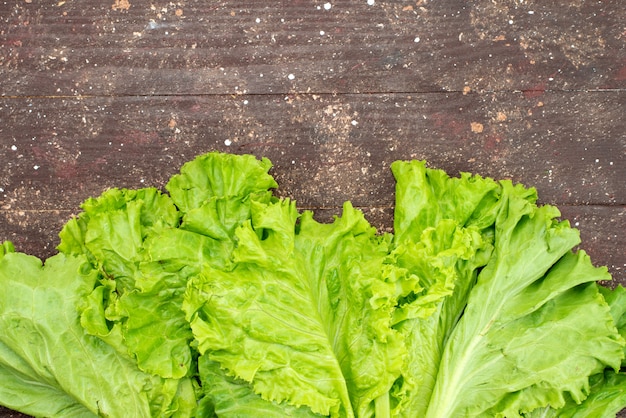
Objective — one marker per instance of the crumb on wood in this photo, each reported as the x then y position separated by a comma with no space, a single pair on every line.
477,127
121,5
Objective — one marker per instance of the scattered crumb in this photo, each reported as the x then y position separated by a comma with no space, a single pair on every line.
500,117
477,127
121,5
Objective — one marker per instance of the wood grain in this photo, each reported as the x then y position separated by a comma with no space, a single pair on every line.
120,94
325,148
195,47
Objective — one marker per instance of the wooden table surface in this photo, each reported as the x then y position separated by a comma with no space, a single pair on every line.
120,93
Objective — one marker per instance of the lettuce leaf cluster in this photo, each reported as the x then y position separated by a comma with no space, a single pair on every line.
218,299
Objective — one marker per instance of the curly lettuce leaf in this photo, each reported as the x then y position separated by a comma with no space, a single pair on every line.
304,316
445,259
219,175
228,397
222,300
50,366
112,232
425,196
444,243
616,298
534,328
532,292
146,255
112,228
607,398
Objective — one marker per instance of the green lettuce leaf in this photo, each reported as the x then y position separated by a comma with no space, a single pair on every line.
113,227
425,196
616,298
227,397
607,397
519,345
305,313
443,234
136,239
221,300
445,259
219,175
494,321
50,367
112,232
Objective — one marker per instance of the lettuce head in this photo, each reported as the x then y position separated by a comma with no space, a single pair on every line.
215,298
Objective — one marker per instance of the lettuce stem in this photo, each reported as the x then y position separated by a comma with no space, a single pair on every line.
382,406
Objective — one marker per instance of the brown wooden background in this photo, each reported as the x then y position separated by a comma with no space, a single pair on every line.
97,94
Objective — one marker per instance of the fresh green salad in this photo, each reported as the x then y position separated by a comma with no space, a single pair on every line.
218,299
